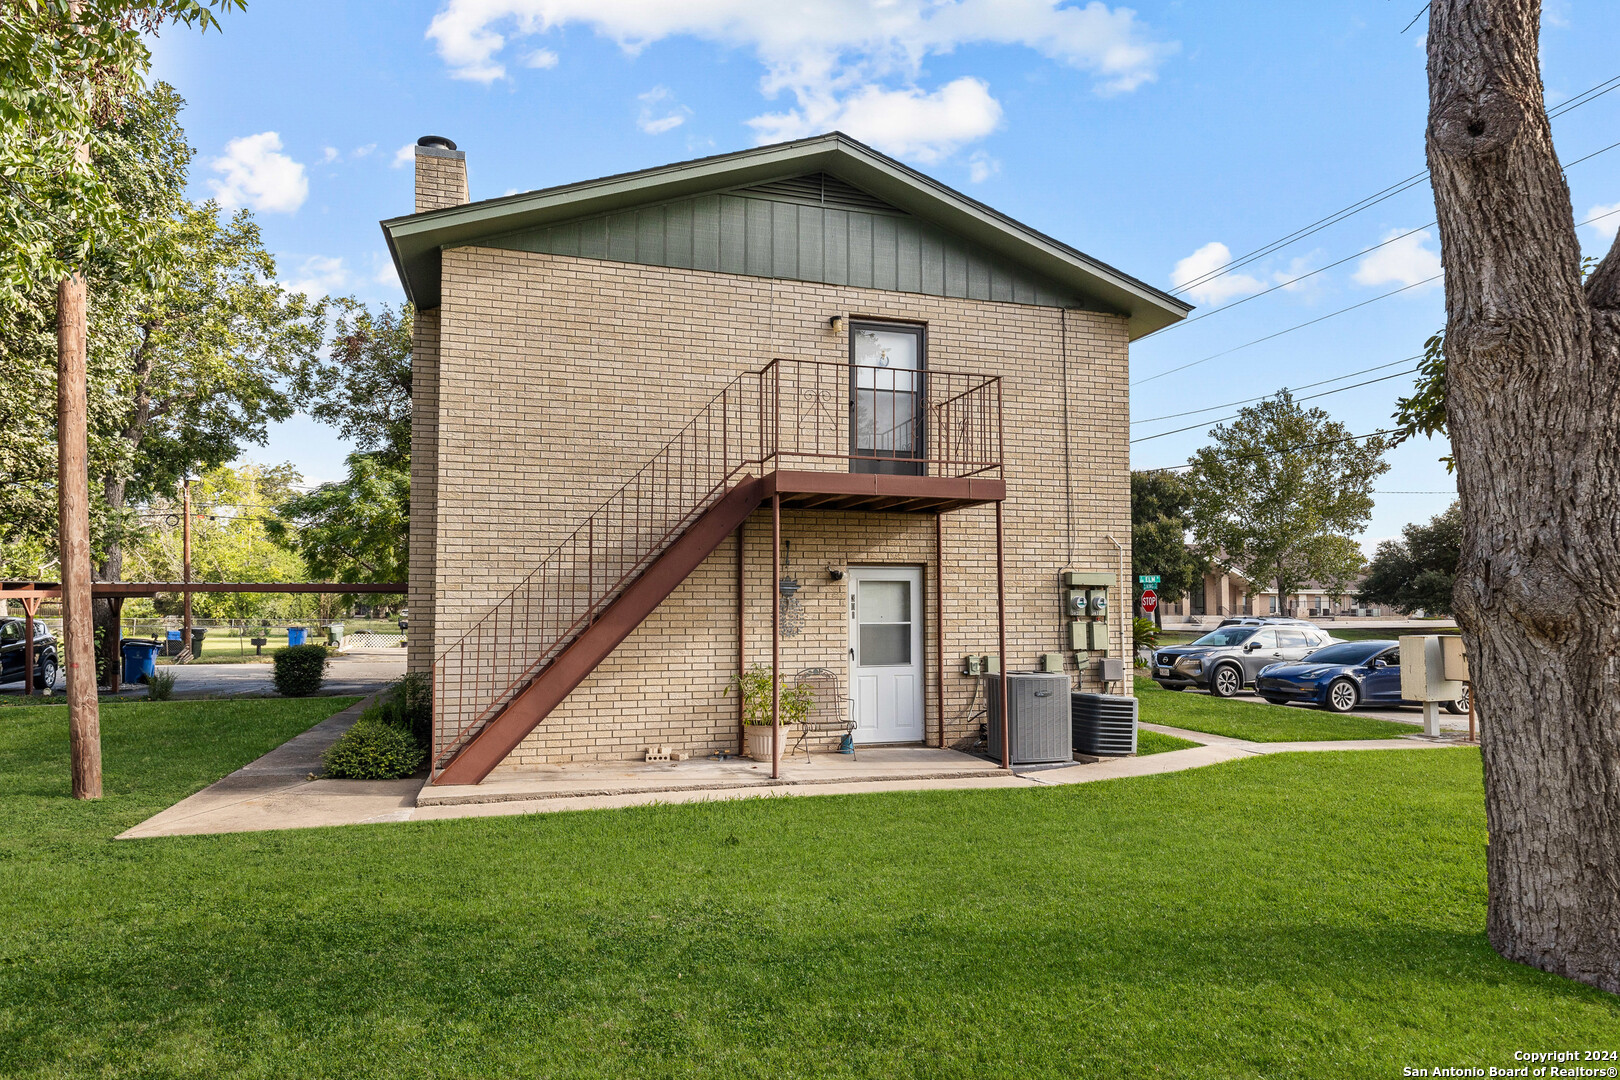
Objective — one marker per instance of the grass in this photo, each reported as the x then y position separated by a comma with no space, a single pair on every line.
1152,742
1256,721
1298,915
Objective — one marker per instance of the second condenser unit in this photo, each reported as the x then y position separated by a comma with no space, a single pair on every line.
1038,723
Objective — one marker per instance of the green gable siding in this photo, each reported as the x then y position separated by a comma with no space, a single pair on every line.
812,228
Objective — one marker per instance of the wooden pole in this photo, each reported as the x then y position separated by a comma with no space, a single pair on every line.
73,537
113,647
29,608
776,636
185,569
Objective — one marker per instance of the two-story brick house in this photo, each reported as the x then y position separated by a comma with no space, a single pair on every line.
790,406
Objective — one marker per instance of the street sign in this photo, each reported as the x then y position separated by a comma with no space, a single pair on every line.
1150,600
1147,579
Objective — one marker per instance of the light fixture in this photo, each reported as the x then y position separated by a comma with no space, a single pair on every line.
834,574
837,323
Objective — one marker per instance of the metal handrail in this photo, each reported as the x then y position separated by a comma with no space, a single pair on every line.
474,678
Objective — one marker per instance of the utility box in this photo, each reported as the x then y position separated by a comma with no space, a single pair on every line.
973,664
1051,661
1111,669
1454,661
990,664
1076,606
1098,632
1038,720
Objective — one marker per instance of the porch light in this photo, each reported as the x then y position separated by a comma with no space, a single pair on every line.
837,323
834,574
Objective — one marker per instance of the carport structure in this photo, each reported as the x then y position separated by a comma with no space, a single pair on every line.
30,594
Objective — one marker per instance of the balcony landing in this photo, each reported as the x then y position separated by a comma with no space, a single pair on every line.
807,490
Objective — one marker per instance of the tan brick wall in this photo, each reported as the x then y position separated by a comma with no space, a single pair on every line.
559,377
441,178
423,549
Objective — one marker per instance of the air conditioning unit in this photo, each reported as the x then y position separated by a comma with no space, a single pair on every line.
1103,725
1037,724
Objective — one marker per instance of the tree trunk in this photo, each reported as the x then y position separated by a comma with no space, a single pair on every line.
1533,408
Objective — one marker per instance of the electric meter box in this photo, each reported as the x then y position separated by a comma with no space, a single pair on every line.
1096,601
1076,605
1423,675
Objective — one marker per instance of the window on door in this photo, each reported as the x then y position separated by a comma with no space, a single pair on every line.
883,616
886,397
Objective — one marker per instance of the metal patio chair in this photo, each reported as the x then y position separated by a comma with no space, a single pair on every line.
831,710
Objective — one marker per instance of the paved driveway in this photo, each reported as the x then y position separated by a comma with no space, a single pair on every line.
349,673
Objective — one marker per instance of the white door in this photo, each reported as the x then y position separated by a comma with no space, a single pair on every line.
885,653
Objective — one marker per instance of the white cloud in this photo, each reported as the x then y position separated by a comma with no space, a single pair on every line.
542,59
839,59
386,274
256,175
1216,290
1406,261
363,151
1298,268
1604,230
906,123
318,275
404,156
981,167
329,154
660,112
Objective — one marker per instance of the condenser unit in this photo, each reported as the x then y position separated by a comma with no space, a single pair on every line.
1103,725
1037,718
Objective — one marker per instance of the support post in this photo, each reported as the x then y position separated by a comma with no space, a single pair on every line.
1001,638
939,624
1473,734
112,648
776,636
742,646
73,538
29,608
185,570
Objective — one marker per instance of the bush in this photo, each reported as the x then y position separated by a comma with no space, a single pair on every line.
374,749
300,669
160,686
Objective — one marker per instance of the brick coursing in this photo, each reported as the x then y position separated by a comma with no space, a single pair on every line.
558,377
441,178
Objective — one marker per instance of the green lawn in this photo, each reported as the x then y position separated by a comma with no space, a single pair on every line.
1151,742
1257,721
1290,916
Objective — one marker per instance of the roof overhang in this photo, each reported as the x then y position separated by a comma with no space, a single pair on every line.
415,241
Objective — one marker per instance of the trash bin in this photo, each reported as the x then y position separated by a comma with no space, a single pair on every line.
197,633
171,647
140,659
334,634
295,635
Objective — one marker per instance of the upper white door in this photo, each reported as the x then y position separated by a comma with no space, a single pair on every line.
885,651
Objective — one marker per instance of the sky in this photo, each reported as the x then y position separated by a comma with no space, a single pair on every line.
1164,139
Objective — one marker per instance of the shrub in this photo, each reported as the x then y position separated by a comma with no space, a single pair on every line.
755,686
374,749
1145,632
160,686
300,669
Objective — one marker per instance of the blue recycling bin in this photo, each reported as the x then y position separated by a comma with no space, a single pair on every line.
140,659
295,635
171,647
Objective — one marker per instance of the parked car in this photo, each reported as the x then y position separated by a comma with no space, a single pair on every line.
14,649
1264,620
1228,658
1342,677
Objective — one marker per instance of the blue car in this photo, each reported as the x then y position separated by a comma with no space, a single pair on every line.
1342,677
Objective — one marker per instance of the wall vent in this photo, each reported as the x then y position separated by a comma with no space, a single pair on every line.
821,189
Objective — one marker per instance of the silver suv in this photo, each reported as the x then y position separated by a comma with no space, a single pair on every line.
1227,659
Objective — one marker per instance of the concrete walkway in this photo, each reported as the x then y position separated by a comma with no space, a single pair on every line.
275,791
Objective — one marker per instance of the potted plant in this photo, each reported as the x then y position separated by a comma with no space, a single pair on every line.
755,687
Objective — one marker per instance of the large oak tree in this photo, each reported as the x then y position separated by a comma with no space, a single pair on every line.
1533,408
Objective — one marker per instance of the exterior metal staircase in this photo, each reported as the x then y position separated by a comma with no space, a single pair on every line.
522,659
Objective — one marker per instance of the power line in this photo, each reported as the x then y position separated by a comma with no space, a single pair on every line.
1234,416
1286,449
1262,397
1288,330
1586,97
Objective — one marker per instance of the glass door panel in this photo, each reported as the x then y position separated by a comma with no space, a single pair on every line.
886,398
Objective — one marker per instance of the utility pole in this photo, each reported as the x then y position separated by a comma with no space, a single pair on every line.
73,535
185,569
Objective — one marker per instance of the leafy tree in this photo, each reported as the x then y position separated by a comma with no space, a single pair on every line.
1419,571
1281,491
363,387
1533,411
356,529
1159,526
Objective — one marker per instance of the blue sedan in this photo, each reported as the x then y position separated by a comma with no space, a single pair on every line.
1341,677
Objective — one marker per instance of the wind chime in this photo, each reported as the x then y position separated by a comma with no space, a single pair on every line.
792,608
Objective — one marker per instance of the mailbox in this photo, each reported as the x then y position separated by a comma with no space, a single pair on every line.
1454,665
1423,675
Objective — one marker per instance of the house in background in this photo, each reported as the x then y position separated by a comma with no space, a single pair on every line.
1225,592
792,405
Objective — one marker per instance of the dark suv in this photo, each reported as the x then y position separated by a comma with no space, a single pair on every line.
14,651
1227,659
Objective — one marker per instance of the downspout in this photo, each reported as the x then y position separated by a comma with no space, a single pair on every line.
1126,669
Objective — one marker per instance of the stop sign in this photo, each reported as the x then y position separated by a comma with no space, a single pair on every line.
1150,600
